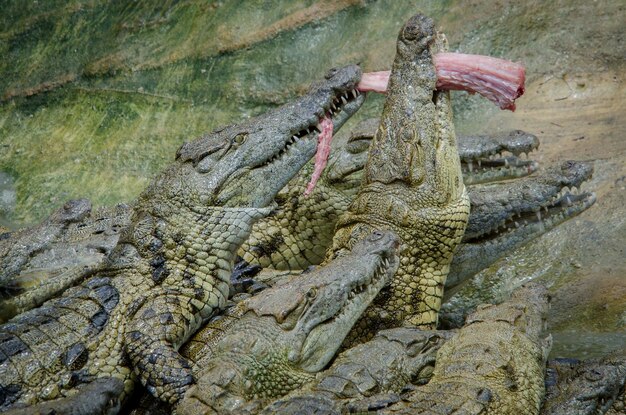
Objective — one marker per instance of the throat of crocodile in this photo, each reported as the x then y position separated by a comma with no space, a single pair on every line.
192,253
412,181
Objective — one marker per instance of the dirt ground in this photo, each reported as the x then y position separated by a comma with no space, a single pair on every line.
579,117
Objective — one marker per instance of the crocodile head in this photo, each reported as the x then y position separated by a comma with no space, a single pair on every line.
246,164
319,308
487,158
509,214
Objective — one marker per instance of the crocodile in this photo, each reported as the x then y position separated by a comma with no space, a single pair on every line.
40,262
369,376
506,215
274,342
494,365
412,184
170,269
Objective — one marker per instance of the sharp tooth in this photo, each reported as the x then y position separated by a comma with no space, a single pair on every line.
506,162
344,100
294,138
333,106
516,224
539,215
479,163
470,166
545,208
568,200
354,93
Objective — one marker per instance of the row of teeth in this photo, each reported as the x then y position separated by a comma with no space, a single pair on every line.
294,138
547,221
381,270
335,105
469,164
564,194
497,155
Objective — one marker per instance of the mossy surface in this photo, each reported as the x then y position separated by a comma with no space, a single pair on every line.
96,96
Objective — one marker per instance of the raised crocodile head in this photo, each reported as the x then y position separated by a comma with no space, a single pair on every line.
319,308
246,164
415,145
412,181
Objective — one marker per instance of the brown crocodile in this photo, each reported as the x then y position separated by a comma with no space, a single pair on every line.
274,342
170,270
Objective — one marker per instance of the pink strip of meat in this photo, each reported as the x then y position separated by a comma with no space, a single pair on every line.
324,139
498,80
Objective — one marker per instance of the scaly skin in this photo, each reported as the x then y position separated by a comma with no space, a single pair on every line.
98,397
171,267
368,376
273,343
494,365
412,185
585,388
66,253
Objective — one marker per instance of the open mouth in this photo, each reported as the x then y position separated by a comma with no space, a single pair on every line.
562,206
330,110
497,164
372,282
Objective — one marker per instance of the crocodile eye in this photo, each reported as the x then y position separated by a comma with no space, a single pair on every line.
411,32
376,235
240,138
332,72
312,293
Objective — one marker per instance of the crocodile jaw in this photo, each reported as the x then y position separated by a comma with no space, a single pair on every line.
323,340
